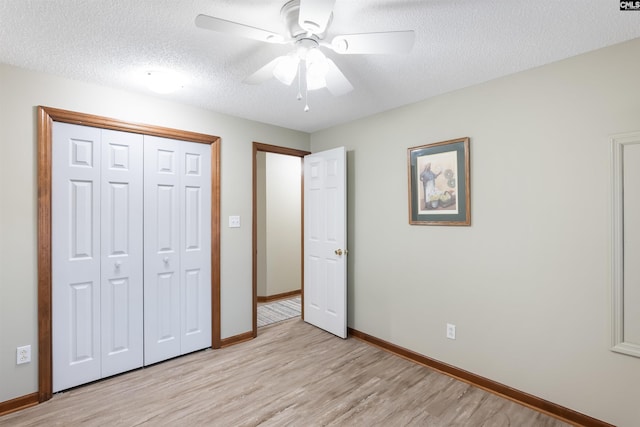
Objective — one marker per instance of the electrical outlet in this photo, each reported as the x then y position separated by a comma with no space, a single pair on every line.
23,354
451,331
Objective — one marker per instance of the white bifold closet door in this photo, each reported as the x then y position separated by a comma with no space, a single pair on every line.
131,251
177,248
96,253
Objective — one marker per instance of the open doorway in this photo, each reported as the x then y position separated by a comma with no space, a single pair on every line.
277,232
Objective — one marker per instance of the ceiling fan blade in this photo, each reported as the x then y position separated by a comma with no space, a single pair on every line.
314,15
263,74
374,43
229,27
337,83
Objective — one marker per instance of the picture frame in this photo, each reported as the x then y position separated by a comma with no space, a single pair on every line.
439,183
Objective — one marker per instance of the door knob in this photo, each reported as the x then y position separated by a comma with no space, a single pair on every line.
166,260
118,264
338,252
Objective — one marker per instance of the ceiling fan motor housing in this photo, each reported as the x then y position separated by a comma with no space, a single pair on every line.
290,14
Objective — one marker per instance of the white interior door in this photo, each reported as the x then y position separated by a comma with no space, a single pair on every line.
325,241
177,224
161,249
121,254
75,253
96,254
195,246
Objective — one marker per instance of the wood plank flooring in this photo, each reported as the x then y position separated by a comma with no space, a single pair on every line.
293,374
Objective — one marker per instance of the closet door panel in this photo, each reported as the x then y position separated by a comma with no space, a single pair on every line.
161,249
131,254
121,252
195,246
75,216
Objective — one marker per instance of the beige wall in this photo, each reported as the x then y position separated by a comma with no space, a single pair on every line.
528,283
283,224
20,92
279,224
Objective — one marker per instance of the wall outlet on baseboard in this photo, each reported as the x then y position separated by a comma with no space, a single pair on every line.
451,331
23,354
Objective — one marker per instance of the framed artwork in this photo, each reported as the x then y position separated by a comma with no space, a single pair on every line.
439,183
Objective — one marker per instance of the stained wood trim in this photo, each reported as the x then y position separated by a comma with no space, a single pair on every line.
277,297
46,117
302,237
268,148
528,400
19,403
73,117
45,371
237,339
216,310
257,146
254,241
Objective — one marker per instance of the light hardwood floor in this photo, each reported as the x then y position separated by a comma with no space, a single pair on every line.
293,374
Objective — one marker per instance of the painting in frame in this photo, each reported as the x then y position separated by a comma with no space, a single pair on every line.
439,192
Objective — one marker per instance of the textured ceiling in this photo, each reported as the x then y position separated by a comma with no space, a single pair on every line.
458,43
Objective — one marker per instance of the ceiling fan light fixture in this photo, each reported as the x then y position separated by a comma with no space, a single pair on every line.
316,82
315,58
287,68
306,23
317,69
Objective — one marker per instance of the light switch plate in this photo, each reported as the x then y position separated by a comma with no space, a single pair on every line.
234,221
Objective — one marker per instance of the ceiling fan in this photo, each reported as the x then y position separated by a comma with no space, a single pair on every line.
306,23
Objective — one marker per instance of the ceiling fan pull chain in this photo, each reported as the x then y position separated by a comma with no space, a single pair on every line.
299,93
306,98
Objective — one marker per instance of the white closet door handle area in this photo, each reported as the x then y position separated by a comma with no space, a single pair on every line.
118,264
166,260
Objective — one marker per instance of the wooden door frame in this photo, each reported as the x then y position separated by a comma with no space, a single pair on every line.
46,117
257,146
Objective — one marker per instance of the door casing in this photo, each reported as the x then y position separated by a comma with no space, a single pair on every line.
257,146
